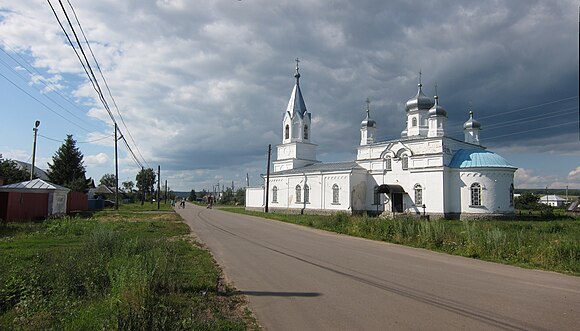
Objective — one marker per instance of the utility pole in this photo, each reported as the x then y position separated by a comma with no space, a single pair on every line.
158,183
268,176
142,188
116,171
35,130
166,191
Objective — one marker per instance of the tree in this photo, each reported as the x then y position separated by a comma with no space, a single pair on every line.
128,186
110,180
146,183
67,167
241,196
11,173
192,196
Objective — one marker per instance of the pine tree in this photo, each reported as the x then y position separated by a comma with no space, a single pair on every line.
67,167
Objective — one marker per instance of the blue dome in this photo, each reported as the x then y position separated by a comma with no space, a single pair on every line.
478,158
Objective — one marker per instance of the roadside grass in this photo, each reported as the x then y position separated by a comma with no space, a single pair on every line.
134,269
550,245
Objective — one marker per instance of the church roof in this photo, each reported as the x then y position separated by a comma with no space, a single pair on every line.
296,104
323,167
478,158
419,101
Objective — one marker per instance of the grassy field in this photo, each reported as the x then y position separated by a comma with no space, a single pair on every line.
549,244
132,269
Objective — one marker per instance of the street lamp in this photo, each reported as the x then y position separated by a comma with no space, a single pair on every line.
35,130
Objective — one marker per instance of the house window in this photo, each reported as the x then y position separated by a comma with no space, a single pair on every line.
306,194
335,194
511,194
287,132
414,121
305,131
405,162
475,194
376,196
388,163
418,195
298,194
274,194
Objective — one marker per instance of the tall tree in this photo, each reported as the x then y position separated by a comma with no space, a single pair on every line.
11,173
109,180
67,167
128,186
192,196
146,183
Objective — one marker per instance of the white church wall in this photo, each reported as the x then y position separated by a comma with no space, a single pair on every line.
358,184
254,197
495,191
343,183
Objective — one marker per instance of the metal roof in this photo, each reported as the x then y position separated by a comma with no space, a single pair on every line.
35,184
478,158
322,167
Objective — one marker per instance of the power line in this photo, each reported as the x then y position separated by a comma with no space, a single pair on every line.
105,81
87,68
78,142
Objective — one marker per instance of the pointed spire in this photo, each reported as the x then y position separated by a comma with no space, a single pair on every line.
420,83
368,101
297,75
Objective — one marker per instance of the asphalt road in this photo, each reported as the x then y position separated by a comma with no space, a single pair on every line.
298,278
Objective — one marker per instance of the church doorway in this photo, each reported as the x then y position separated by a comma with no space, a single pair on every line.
397,202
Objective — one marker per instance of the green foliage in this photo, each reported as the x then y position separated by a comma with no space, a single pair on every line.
146,183
67,167
128,186
120,270
11,173
110,180
192,196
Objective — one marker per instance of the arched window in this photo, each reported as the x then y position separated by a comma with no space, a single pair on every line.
274,194
405,162
335,194
388,164
305,131
306,194
287,132
511,194
376,196
475,194
414,121
418,195
298,194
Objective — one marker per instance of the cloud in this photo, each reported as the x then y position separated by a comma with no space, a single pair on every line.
203,86
94,160
574,174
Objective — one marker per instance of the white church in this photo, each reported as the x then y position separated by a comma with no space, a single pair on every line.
423,172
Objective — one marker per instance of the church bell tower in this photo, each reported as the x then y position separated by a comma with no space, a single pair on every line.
296,150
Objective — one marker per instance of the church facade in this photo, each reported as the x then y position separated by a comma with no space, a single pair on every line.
423,172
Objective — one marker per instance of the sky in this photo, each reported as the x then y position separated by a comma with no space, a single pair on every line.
201,86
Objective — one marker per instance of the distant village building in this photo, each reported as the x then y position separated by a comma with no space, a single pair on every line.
424,171
552,200
38,173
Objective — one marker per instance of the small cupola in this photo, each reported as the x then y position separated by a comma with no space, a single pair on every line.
368,128
420,101
471,129
437,118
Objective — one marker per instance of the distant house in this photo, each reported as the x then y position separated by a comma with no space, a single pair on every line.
38,173
574,207
552,200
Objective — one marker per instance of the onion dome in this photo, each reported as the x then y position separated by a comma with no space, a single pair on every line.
419,101
437,110
368,122
471,123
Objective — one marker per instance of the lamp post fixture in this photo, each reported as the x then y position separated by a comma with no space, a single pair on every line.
35,130
423,206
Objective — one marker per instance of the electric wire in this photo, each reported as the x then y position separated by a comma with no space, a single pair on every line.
105,81
24,79
88,70
78,142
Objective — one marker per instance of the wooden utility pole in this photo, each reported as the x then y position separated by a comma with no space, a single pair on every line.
158,184
142,188
116,172
268,177
35,129
166,191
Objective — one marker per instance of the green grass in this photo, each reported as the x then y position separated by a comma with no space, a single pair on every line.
550,245
134,269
